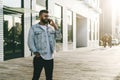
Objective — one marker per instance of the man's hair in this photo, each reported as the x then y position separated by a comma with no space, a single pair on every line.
43,11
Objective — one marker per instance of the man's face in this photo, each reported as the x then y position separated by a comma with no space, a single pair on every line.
44,18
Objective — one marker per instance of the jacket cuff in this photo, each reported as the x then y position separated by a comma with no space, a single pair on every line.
33,50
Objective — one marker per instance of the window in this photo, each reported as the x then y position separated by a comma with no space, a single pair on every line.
90,31
70,25
41,2
94,32
58,18
97,30
13,35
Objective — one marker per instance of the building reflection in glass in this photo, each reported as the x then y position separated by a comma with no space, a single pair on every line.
12,36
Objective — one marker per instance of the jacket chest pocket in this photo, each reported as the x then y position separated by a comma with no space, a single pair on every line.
38,35
52,34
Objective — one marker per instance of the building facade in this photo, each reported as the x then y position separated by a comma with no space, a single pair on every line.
110,18
106,18
78,21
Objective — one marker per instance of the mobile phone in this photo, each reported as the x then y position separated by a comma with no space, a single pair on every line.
49,20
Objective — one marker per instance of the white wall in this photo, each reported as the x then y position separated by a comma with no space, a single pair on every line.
65,29
74,30
1,31
80,8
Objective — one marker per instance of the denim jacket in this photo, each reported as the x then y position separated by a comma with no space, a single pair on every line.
37,38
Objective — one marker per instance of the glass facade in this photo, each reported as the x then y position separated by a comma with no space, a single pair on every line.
94,31
58,16
41,2
58,19
13,30
13,39
90,30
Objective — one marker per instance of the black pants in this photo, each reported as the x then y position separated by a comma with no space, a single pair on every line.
39,63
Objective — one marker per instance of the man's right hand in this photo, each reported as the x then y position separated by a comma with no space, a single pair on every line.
37,54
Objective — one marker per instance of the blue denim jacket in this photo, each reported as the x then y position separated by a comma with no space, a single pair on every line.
37,38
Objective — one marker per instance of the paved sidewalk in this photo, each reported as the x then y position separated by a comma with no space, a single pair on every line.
80,64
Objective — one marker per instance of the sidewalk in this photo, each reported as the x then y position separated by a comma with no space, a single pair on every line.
81,64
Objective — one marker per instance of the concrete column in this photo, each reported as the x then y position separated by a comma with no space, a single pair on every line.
92,28
33,13
98,28
74,30
1,32
88,32
93,32
98,2
65,34
95,29
90,20
27,25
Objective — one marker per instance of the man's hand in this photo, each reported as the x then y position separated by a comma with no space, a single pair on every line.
37,54
53,24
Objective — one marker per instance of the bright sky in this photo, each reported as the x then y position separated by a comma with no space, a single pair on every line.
17,3
116,4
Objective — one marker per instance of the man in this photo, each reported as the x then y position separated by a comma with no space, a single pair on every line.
41,41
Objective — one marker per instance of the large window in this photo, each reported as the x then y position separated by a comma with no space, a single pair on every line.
90,30
41,2
12,3
58,18
94,31
13,29
13,35
70,25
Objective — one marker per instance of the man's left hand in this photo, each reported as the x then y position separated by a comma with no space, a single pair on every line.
53,24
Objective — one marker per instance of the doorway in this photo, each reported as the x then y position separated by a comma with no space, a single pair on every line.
81,31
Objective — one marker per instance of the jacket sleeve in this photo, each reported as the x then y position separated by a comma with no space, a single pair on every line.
58,34
31,43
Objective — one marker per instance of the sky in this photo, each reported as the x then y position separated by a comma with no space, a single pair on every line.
9,3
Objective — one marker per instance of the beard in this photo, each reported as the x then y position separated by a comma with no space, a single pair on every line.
45,21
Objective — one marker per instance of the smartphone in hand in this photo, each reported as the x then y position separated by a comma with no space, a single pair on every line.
49,21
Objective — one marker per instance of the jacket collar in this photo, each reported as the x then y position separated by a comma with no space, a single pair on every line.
38,26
